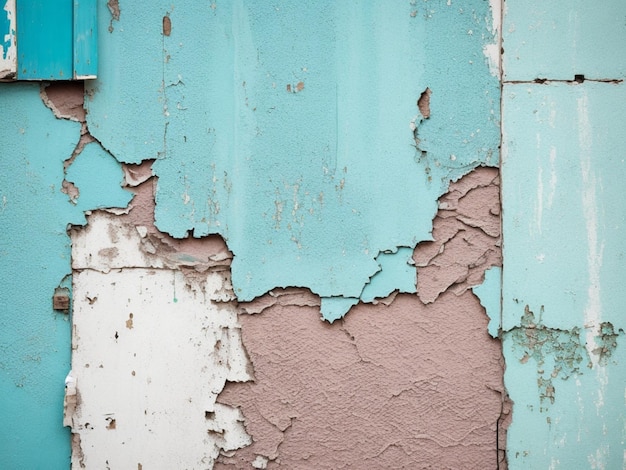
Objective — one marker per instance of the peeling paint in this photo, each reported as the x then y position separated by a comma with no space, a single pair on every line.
489,293
170,363
220,150
34,243
563,247
557,353
466,237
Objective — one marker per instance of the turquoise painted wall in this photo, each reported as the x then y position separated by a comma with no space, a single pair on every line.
301,143
564,225
295,139
34,260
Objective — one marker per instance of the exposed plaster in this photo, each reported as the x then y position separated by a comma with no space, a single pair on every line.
342,385
114,8
382,388
466,237
118,245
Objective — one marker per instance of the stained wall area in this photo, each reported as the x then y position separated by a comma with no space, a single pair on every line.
563,222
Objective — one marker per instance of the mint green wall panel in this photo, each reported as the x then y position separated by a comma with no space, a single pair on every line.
560,39
564,225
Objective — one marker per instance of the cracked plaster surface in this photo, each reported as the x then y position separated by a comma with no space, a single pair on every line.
406,383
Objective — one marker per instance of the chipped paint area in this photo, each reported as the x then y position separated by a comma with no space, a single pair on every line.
8,41
466,237
564,250
150,352
38,148
490,295
557,353
151,349
300,210
403,385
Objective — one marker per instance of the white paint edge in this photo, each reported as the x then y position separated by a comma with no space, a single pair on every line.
8,58
492,51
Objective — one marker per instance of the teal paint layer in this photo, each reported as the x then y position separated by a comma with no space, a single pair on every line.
490,294
44,49
564,225
85,35
564,171
6,33
289,128
96,162
558,40
34,260
564,420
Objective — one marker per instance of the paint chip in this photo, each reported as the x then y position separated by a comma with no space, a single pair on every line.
423,103
167,25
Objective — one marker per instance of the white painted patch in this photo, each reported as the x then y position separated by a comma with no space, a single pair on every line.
151,350
8,57
553,177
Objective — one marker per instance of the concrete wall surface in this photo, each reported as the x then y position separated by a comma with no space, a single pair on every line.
357,234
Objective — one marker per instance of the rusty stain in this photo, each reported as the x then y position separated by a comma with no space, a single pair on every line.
112,424
129,322
167,25
423,103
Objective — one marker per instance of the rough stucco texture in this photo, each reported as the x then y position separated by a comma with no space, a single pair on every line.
398,386
403,385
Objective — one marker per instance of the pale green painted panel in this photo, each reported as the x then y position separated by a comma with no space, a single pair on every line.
560,39
563,170
564,225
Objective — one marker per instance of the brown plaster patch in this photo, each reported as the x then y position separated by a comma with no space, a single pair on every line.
414,382
114,8
401,386
466,233
65,99
423,103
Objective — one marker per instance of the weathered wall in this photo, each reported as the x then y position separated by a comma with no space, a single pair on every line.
39,151
279,149
293,138
281,169
564,232
399,384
